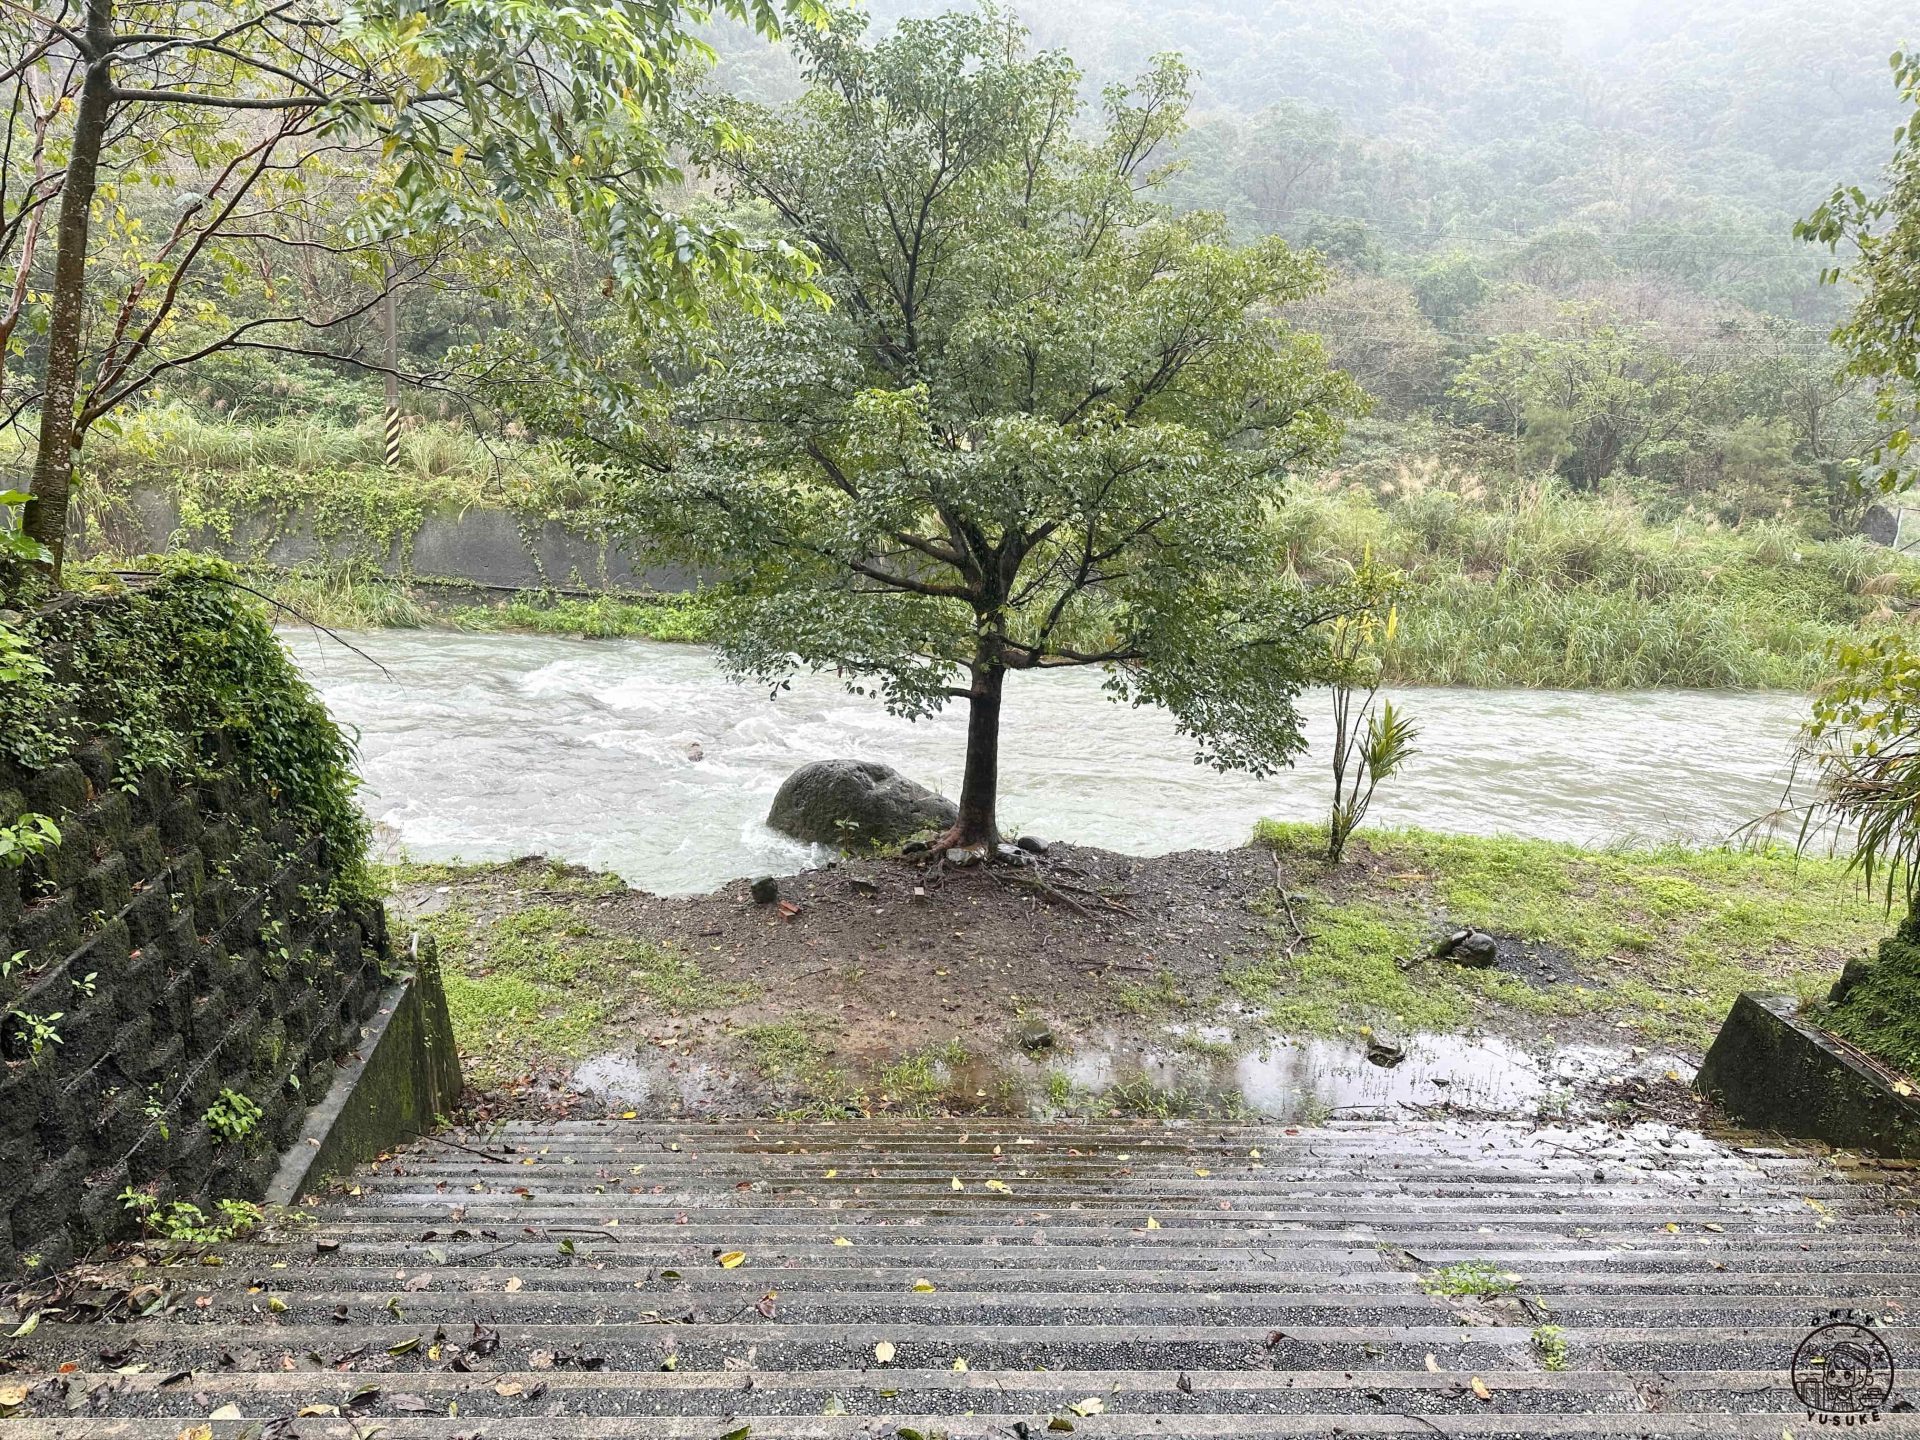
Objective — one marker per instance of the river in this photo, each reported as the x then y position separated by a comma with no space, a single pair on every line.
486,747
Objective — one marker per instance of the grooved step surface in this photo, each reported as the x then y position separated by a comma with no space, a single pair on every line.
942,1278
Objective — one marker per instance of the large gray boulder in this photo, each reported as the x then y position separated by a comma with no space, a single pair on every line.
855,802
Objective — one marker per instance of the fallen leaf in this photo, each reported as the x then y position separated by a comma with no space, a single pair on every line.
1152,1224
883,1352
1433,1365
509,1388
841,1240
923,1287
1480,1388
733,1259
513,1284
1092,1405
12,1395
226,1412
959,1365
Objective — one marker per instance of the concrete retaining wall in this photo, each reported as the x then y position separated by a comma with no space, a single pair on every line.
179,947
479,546
1770,1069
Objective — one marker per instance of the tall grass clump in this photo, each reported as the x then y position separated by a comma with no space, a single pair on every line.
1539,587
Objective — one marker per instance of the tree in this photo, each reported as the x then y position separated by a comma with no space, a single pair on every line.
1043,424
446,114
1590,399
1882,335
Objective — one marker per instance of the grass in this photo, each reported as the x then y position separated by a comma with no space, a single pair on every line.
1468,1278
1663,939
603,617
1538,587
1508,583
792,1052
359,596
536,985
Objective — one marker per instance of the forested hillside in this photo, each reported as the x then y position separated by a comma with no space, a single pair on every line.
1560,258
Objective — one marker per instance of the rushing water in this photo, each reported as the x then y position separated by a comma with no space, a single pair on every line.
641,758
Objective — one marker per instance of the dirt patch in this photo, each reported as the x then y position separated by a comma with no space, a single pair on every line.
899,955
1081,981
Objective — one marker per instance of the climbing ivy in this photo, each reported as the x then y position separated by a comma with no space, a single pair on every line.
186,675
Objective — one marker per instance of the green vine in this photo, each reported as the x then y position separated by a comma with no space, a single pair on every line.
187,676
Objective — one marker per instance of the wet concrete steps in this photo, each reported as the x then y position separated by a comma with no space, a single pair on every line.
1124,1280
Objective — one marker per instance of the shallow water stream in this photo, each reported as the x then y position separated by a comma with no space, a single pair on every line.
641,758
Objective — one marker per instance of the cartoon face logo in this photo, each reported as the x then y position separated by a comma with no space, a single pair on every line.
1843,1369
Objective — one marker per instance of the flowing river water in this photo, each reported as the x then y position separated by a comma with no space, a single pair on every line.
643,759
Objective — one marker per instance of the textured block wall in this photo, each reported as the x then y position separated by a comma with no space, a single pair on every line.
184,939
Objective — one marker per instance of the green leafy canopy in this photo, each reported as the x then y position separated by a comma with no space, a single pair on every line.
1043,421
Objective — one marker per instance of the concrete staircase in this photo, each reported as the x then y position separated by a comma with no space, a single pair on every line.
998,1278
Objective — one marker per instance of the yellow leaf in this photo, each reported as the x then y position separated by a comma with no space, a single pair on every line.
999,1186
307,1411
923,1287
458,151
1433,1365
832,1174
1092,1405
508,1388
12,1395
196,1432
841,1240
227,1412
956,1183
513,1284
959,1365
1152,1224
1201,1172
733,1259
1480,1388
883,1352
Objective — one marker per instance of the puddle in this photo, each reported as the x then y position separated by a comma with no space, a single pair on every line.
642,1082
1311,1079
1202,1071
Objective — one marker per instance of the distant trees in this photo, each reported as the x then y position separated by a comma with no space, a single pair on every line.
180,180
1882,335
1043,425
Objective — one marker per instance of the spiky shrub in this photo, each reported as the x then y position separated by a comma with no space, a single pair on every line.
1864,745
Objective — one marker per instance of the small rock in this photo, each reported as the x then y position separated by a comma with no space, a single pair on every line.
862,886
1384,1053
1858,968
1035,1037
694,752
1469,947
766,890
1012,854
1033,844
963,855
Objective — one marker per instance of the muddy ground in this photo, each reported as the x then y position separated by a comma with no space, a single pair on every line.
1081,980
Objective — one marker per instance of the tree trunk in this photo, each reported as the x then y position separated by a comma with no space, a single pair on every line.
53,462
980,787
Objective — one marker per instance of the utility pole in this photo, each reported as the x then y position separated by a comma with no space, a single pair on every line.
393,370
